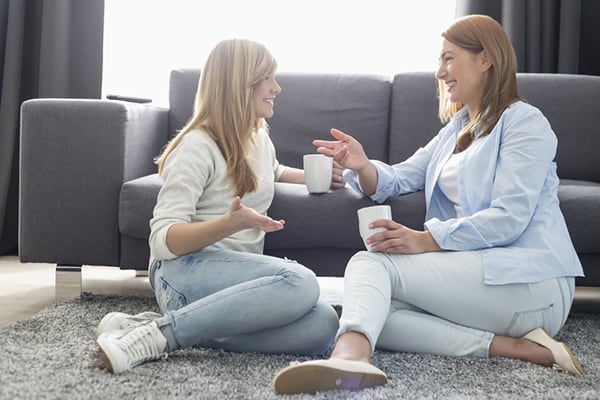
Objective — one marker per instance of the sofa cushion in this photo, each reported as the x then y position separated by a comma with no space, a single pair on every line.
579,202
329,220
304,214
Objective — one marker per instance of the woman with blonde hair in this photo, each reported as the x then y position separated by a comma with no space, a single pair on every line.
493,272
213,285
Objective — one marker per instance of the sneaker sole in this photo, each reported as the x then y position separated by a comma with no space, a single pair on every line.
106,361
102,344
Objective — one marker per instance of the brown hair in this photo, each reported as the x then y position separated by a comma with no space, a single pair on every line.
476,33
224,106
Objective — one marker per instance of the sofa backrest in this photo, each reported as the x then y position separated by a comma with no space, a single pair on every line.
570,102
183,84
359,104
311,104
572,105
414,111
306,109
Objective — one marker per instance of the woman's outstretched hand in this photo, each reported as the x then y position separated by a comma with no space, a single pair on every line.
400,239
346,151
246,217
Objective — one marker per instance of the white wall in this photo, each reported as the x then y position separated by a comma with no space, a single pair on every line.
145,39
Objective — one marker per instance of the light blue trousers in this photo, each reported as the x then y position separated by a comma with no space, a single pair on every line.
242,302
437,303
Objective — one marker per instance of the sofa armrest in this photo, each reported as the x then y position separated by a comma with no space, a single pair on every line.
75,156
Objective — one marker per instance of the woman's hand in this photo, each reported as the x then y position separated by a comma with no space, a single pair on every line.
346,151
337,178
243,217
400,239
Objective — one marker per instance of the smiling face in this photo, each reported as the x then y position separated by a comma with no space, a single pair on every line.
264,96
464,74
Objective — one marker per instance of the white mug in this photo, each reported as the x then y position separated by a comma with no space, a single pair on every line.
318,169
367,215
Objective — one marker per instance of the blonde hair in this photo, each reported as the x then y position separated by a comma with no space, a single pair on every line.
476,33
224,106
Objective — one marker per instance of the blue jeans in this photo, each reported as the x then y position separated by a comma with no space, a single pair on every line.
437,303
241,302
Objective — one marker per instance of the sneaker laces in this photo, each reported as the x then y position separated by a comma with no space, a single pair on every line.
140,343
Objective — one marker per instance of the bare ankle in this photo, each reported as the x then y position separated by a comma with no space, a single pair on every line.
352,346
537,354
521,349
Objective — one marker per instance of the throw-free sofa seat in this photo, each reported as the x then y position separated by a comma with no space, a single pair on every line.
88,183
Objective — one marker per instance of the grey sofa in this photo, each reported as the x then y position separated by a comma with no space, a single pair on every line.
88,182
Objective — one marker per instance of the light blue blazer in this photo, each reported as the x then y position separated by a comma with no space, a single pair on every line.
507,186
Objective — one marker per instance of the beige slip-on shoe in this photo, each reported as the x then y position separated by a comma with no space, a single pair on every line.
564,360
317,375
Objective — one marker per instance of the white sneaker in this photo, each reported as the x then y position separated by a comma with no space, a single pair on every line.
116,321
122,350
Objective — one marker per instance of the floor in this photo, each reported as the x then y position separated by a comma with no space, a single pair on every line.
26,288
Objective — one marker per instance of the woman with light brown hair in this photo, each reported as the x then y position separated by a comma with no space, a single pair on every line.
213,285
493,272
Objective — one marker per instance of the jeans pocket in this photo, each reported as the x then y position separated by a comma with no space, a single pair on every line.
527,320
168,297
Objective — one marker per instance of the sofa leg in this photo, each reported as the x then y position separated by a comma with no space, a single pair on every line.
67,282
141,272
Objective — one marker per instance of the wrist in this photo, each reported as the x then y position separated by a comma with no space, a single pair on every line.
429,242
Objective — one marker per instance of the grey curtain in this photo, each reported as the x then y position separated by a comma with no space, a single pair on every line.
47,49
556,36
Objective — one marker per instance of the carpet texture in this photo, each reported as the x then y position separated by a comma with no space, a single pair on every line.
53,355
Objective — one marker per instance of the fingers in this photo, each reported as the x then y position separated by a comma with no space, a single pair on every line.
338,181
235,203
396,239
271,225
339,135
333,144
326,147
337,177
385,223
393,230
339,150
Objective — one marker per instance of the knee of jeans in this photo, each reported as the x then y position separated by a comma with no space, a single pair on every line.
365,258
303,284
326,326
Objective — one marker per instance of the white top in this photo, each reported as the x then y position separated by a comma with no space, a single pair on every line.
448,181
196,189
